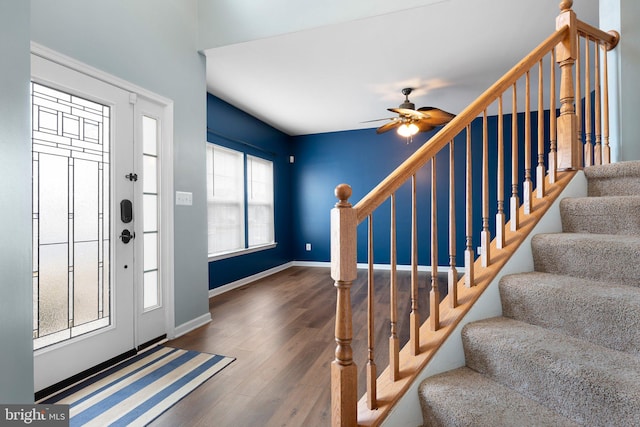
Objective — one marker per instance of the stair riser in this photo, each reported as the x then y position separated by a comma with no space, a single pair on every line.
614,187
570,255
607,316
616,179
601,215
558,372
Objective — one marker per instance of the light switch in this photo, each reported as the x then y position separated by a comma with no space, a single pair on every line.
184,198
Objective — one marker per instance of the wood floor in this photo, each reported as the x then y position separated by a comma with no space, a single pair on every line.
281,331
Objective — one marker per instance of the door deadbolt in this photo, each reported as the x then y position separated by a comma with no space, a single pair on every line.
126,236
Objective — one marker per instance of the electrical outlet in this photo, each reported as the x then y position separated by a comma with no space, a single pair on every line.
307,246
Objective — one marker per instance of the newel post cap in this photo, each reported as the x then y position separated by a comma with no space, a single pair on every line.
566,5
343,192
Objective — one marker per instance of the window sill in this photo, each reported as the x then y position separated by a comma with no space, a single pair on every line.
231,254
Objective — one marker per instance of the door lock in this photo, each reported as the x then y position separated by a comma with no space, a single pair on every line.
126,211
126,236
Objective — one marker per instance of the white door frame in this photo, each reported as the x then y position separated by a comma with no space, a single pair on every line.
166,257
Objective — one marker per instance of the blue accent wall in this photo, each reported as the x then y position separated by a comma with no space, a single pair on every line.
235,129
360,158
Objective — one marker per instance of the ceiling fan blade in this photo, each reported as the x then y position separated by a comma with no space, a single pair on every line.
436,116
406,112
388,126
423,126
379,120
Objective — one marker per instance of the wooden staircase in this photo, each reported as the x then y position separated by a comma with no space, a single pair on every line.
526,134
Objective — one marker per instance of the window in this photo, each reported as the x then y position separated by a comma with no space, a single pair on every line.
229,173
259,201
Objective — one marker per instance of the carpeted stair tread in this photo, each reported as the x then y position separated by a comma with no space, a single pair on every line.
615,179
589,256
587,383
461,398
600,312
601,215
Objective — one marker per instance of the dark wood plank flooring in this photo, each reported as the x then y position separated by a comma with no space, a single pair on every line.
280,329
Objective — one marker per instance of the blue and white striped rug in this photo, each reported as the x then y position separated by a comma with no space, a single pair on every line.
138,390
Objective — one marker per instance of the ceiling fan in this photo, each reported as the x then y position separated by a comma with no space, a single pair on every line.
411,121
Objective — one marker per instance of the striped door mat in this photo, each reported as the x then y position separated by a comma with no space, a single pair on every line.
138,390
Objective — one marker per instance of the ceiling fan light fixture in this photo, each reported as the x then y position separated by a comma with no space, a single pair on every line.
407,130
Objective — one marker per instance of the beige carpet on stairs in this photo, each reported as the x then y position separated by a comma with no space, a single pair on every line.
567,349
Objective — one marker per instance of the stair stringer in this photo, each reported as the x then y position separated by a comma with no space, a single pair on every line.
450,355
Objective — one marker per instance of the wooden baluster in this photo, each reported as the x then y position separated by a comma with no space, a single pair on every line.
588,146
434,295
453,272
540,169
579,115
597,155
500,215
568,148
344,372
514,201
553,121
485,234
469,257
414,317
394,343
527,185
371,364
606,150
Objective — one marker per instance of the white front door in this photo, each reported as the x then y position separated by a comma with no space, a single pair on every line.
92,278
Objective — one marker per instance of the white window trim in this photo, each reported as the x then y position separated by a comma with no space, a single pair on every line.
231,254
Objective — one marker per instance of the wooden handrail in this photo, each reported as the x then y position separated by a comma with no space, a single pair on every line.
609,39
418,159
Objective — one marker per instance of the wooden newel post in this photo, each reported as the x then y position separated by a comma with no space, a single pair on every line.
344,374
568,148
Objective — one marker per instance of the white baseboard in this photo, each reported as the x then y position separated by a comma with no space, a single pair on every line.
311,264
191,325
246,280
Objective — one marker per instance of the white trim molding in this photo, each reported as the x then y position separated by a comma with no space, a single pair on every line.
247,280
191,325
238,252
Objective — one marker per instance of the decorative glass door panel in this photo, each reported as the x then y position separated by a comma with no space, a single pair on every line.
151,284
71,247
83,274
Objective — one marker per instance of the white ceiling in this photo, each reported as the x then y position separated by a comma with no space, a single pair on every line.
333,77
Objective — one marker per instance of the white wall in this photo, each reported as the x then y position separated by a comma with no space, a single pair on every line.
624,68
224,22
16,362
150,43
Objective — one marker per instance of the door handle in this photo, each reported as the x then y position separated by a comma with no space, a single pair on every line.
126,236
